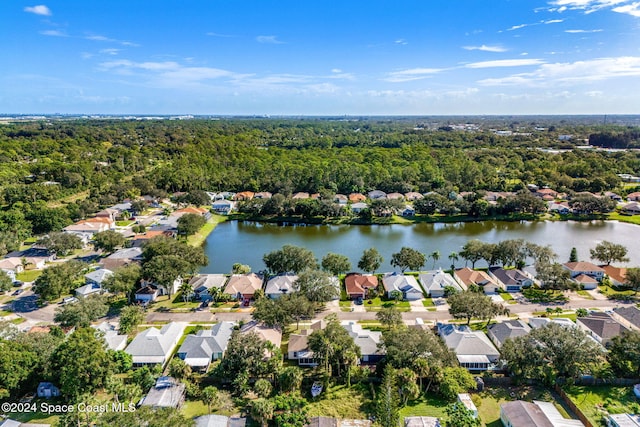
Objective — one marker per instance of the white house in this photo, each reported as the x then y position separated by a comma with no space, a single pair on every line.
154,346
407,285
206,345
280,285
435,282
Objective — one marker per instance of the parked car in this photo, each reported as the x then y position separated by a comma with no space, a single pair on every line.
17,292
358,301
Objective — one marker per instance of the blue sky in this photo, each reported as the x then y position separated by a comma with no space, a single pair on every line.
353,57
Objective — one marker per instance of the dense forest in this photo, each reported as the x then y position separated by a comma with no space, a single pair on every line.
56,171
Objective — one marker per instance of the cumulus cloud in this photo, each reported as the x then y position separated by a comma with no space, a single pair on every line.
632,9
38,10
269,40
486,48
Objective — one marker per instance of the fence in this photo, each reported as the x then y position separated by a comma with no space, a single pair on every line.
573,407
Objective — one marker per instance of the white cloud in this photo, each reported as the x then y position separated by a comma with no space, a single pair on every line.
212,34
401,42
517,27
336,70
269,40
632,9
582,31
38,10
54,33
411,74
589,6
553,21
570,73
505,63
100,38
486,48
110,51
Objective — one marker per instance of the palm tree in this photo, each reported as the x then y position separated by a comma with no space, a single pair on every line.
435,256
186,290
453,256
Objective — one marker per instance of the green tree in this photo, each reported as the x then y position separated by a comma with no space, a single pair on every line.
608,252
455,380
408,258
61,243
289,259
624,354
289,410
632,279
282,311
435,256
263,388
331,344
387,407
179,369
573,257
123,280
17,364
190,223
262,411
163,246
58,280
5,281
407,387
238,268
336,264
165,269
453,257
146,416
389,317
130,317
80,314
186,290
472,251
370,260
554,277
404,346
209,397
80,363
317,286
290,379
460,416
108,240
244,356
469,305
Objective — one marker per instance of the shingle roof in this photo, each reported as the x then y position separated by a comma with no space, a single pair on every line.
602,325
283,284
154,342
437,280
464,341
205,343
203,282
99,275
400,282
500,332
243,284
582,266
365,339
631,314
525,414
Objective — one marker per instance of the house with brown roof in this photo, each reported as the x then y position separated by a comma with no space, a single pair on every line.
243,195
395,196
584,267
298,347
616,274
265,333
412,195
243,286
263,195
340,199
467,277
191,210
631,208
357,285
634,197
600,326
585,282
357,197
300,196
546,194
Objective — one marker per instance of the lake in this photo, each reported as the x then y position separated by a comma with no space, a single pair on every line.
246,242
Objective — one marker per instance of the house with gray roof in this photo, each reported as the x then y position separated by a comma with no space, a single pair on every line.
358,207
219,421
154,346
629,316
621,420
407,285
166,393
511,280
601,327
223,207
366,340
377,194
519,413
500,332
473,349
97,277
111,337
280,285
206,345
435,282
421,422
203,283
539,322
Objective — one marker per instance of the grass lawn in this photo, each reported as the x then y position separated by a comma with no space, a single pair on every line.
633,219
28,275
426,406
377,304
613,293
342,402
428,302
199,238
584,294
177,304
593,400
125,223
345,306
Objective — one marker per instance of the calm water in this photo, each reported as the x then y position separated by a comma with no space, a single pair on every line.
247,242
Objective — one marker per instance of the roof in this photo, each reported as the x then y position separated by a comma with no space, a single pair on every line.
299,342
474,277
421,422
190,210
167,393
538,322
10,263
582,266
357,197
500,332
282,284
556,418
357,283
509,277
99,275
203,282
265,333
584,279
205,343
127,253
245,284
625,420
524,414
219,421
464,341
111,337
364,338
154,342
88,289
400,282
631,314
615,273
437,280
602,324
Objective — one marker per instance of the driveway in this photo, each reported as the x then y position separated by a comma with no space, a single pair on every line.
27,306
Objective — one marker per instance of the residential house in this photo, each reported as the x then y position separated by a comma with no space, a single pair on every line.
265,333
166,231
146,294
601,326
155,346
586,282
633,197
546,194
631,208
473,349
500,332
367,341
561,208
408,211
94,281
203,283
539,322
357,197
436,282
243,195
300,196
121,258
263,195
613,196
377,194
512,280
623,420
357,285
395,196
111,337
617,275
85,229
413,196
219,421
335,422
13,264
340,199
628,316
47,390
206,345
166,393
110,213
584,267
519,413
407,285
243,286
422,422
222,207
356,208
465,400
298,348
467,277
191,210
280,285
